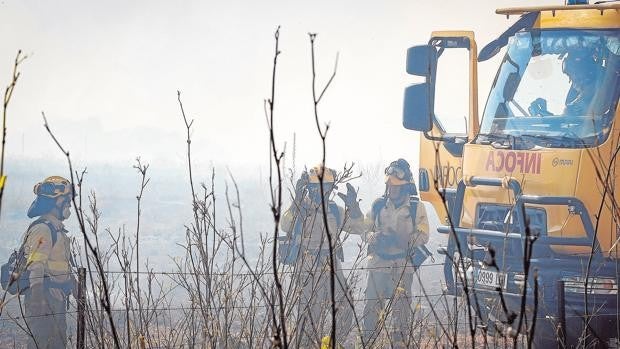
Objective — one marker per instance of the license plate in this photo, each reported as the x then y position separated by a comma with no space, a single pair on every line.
489,278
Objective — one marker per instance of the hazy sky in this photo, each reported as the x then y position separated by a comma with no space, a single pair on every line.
106,74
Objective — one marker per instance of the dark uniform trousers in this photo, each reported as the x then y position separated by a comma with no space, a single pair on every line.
46,320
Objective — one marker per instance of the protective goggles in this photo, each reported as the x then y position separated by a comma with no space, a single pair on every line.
52,190
396,172
317,171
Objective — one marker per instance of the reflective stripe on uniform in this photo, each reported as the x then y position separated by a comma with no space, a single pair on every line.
37,257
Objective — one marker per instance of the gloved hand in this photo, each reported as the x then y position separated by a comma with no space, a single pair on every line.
539,108
351,197
350,201
379,241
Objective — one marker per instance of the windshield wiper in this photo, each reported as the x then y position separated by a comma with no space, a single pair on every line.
555,141
505,141
497,140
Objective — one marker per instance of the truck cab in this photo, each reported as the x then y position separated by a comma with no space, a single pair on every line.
530,210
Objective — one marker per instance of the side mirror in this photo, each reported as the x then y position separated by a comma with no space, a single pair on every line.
421,60
417,108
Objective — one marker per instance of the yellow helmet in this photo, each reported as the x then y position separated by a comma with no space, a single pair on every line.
53,187
329,175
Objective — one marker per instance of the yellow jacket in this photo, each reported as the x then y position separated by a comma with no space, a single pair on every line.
45,258
396,224
313,235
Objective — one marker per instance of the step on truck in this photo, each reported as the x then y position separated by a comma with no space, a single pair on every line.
528,192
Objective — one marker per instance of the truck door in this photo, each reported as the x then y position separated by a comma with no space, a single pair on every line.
444,107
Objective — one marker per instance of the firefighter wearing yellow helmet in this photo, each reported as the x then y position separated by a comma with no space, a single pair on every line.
47,249
307,249
394,229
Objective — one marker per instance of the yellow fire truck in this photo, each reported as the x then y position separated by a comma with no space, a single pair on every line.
528,191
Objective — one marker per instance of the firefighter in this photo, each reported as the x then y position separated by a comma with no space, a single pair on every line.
393,231
584,68
305,227
49,261
583,71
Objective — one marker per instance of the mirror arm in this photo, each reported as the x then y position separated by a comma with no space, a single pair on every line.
447,139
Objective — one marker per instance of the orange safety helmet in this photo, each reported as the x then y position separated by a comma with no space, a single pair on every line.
53,187
50,193
399,173
329,175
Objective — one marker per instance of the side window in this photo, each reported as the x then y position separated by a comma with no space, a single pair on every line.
452,90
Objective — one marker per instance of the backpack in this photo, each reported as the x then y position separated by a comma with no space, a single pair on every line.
14,275
418,254
289,246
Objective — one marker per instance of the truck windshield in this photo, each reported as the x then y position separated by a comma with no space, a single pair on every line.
555,89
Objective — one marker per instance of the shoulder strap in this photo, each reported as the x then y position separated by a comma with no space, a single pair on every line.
53,231
413,208
377,206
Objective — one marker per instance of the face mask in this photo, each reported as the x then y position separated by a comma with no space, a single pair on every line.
66,212
397,194
395,191
315,194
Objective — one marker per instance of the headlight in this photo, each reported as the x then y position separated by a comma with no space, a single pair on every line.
576,284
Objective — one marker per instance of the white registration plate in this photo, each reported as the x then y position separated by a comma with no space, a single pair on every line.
489,278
